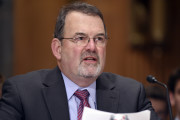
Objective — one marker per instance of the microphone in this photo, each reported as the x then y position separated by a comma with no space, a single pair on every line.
152,79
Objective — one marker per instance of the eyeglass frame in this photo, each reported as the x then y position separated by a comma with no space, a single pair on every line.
87,38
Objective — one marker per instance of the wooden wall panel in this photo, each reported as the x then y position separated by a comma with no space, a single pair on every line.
34,22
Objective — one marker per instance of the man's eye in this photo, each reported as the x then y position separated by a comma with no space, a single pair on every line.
99,38
80,38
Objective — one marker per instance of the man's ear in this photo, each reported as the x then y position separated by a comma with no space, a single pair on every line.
56,48
172,100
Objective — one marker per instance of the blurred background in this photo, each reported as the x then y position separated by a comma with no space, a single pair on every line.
144,36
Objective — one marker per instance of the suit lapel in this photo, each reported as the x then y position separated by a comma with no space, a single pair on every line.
107,97
55,95
56,99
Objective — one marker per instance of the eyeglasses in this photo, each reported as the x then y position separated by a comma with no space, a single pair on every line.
83,40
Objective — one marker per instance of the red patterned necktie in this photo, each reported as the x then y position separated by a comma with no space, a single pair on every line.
83,97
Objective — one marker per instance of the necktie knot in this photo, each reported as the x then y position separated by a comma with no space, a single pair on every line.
82,94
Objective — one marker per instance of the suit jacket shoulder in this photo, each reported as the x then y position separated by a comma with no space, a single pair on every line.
33,76
117,80
38,95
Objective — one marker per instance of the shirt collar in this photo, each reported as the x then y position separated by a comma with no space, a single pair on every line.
71,87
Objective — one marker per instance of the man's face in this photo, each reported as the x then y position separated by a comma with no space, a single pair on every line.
177,96
88,61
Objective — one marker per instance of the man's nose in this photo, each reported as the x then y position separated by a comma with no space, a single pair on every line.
91,45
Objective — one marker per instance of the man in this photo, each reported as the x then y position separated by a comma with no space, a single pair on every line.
174,88
157,96
79,45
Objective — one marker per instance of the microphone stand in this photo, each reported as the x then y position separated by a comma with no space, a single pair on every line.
167,95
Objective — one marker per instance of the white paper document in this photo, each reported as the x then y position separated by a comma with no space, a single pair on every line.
92,114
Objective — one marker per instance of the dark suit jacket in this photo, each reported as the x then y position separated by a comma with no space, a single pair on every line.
41,95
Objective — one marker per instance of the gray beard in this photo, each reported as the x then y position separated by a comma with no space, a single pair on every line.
89,70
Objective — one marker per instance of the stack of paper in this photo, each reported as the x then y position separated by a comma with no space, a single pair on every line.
92,114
